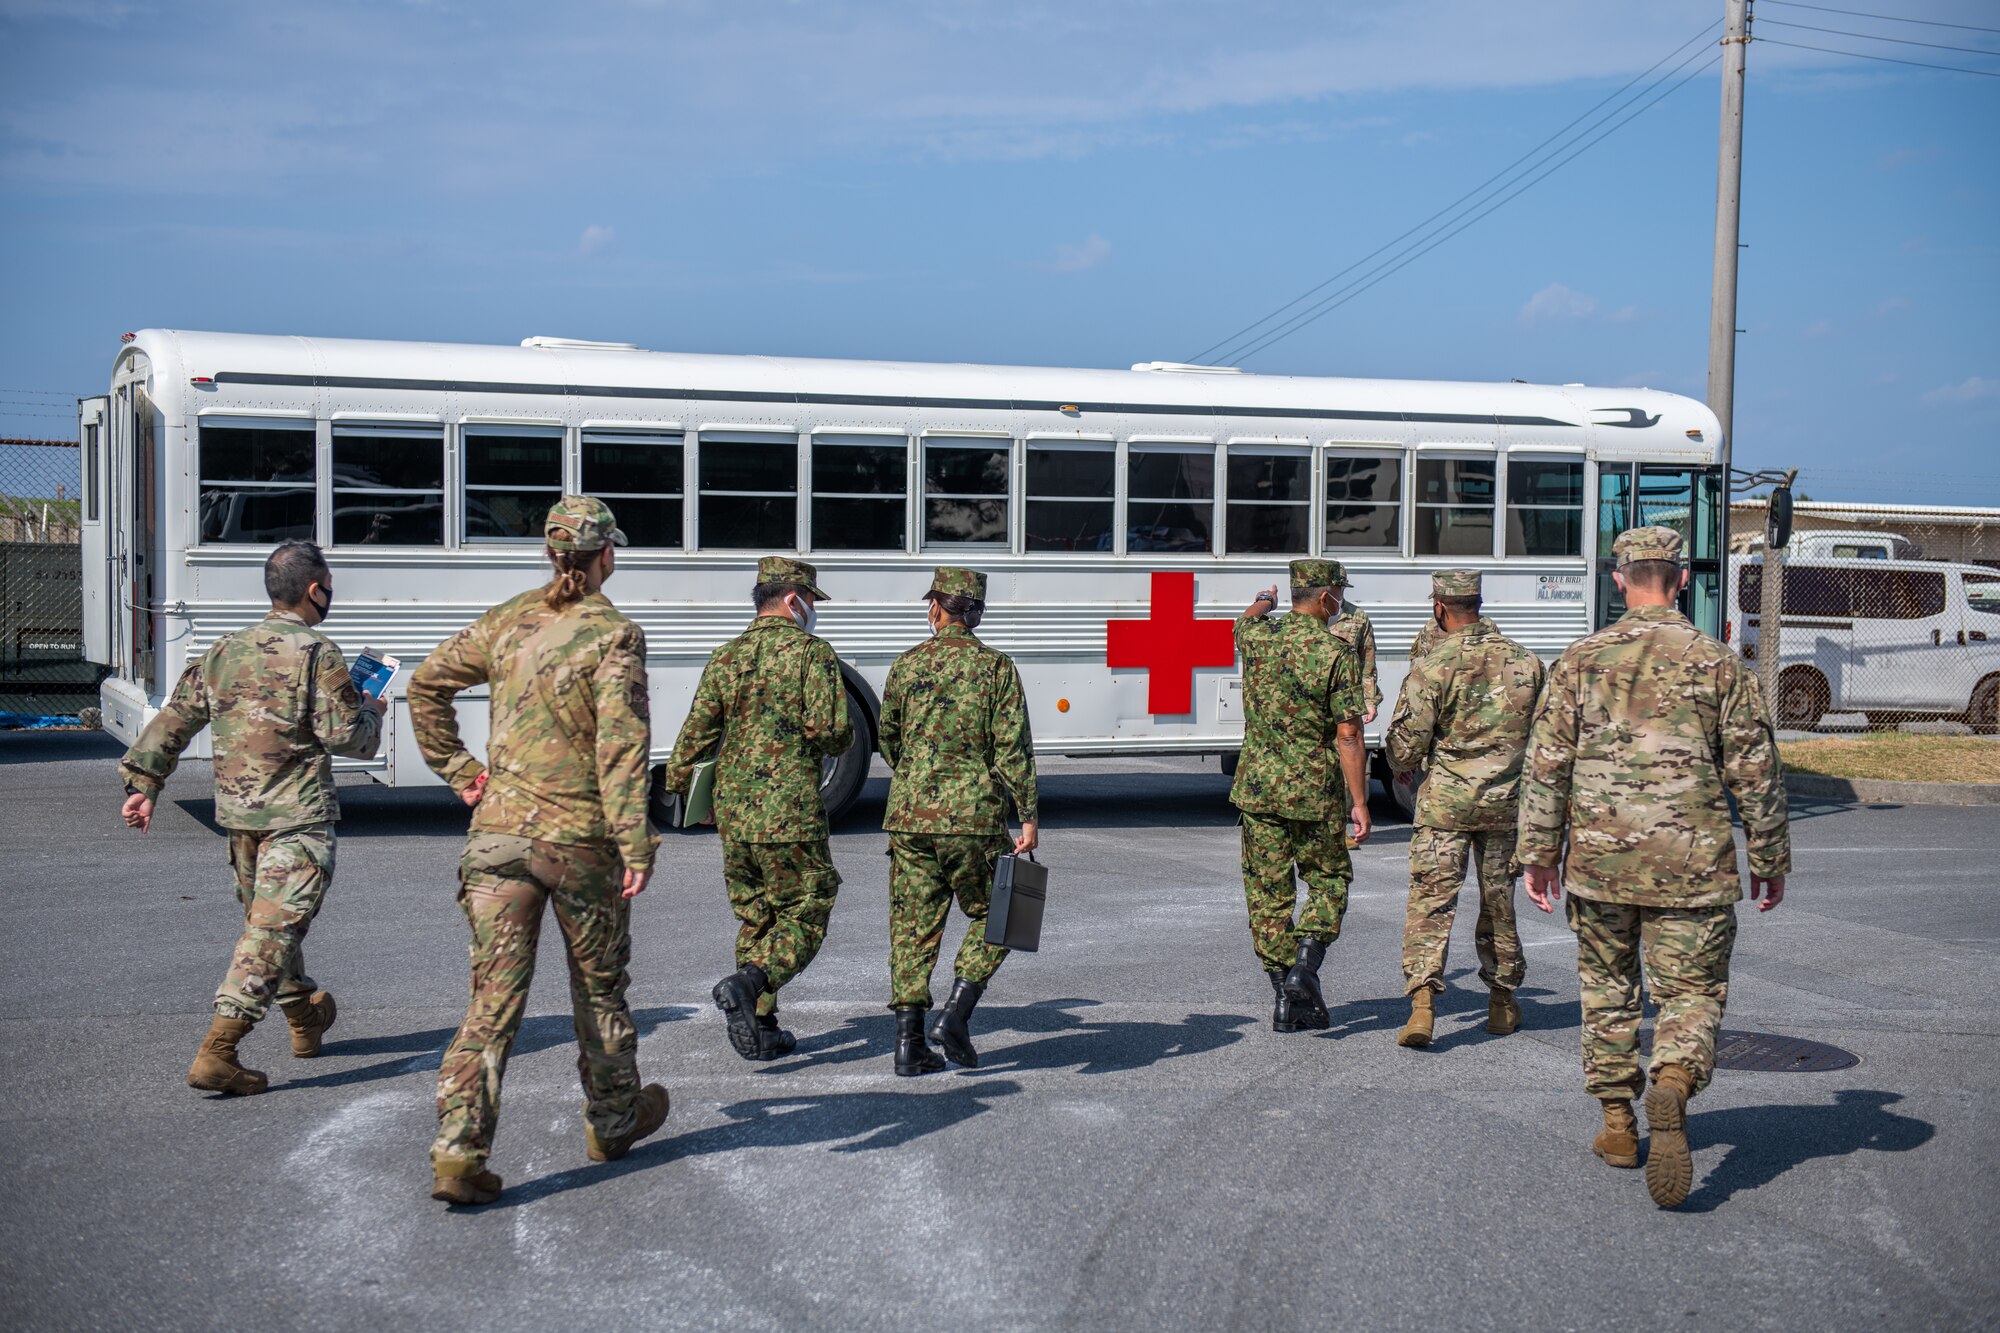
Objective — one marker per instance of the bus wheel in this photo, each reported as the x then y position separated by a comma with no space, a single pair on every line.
842,775
1802,698
1983,716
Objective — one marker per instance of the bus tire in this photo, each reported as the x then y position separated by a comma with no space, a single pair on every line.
1983,714
662,806
1802,698
842,777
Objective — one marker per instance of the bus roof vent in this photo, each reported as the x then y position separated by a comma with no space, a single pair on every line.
1184,368
579,345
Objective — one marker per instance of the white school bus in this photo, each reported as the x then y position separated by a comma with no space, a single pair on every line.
1123,516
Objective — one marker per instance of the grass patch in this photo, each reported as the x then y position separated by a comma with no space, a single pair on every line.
1890,756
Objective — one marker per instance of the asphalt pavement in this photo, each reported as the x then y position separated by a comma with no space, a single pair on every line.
1137,1149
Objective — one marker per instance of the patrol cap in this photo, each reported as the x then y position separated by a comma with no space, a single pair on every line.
784,569
1455,583
1647,544
1318,574
952,581
581,523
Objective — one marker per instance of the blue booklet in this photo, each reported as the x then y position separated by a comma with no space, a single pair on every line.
372,672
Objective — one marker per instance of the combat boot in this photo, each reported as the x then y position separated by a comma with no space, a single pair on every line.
1503,1012
1669,1167
1423,1015
1281,1005
1618,1142
467,1184
216,1068
774,1042
949,1028
1302,985
913,1054
309,1018
652,1113
736,995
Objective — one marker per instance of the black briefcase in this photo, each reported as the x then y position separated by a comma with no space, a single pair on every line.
1020,888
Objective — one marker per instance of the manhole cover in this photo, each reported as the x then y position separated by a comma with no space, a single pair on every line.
1768,1053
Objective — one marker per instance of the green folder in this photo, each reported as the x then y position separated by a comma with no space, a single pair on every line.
700,805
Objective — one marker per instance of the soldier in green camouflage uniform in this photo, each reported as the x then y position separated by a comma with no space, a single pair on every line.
772,698
1299,775
280,702
1644,730
1463,716
955,730
1352,627
558,818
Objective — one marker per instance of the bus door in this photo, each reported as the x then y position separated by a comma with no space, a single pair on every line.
94,546
131,511
1669,495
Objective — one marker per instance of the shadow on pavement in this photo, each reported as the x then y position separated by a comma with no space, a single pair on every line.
1073,1041
1767,1141
56,747
417,1052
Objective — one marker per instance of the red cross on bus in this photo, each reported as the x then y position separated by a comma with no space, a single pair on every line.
1170,644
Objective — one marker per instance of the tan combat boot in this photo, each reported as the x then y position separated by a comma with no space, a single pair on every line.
652,1114
1618,1142
1669,1167
1503,1012
468,1184
309,1018
1417,1032
216,1068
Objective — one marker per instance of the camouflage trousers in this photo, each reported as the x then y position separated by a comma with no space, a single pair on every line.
1438,859
281,879
926,871
1686,956
1272,846
782,893
504,881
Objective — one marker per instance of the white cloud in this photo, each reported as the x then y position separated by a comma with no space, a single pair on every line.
1974,389
596,239
1088,253
1556,303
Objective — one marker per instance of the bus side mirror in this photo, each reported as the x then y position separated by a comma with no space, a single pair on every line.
1778,527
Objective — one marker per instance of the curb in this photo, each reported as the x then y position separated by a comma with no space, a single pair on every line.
1899,793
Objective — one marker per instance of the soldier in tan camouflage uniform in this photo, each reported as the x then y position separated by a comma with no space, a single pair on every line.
955,730
1299,776
281,704
558,817
1352,627
772,698
1644,730
1463,716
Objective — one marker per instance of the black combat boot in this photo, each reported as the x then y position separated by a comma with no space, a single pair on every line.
1281,1008
949,1028
736,995
1302,984
913,1054
777,1042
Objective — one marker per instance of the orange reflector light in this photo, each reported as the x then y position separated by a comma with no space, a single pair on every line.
1062,705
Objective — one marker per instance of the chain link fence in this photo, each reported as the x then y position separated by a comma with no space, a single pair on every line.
42,672
1888,616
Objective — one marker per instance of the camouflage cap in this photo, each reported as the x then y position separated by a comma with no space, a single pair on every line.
581,523
1318,574
784,569
1646,544
1455,583
955,582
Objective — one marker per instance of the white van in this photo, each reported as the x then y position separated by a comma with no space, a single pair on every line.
1836,545
1894,639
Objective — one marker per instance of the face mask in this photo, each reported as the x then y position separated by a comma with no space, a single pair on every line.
803,613
323,604
1438,618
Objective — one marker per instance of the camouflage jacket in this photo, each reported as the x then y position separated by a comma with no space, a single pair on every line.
773,698
1299,684
569,728
1643,727
282,705
1353,628
955,730
1463,715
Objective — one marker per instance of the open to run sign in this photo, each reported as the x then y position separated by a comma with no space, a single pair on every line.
1559,588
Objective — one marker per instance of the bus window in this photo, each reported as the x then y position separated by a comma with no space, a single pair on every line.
1364,501
388,485
859,487
1455,506
749,497
256,480
90,433
1170,498
1068,505
640,475
965,489
512,475
1270,495
1544,506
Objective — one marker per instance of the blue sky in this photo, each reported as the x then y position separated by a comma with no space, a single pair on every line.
1052,183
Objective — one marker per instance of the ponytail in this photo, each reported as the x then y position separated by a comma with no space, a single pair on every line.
569,585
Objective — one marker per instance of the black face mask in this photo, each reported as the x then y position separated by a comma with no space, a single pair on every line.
323,605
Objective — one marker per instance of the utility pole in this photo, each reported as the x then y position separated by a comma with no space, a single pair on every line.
1728,209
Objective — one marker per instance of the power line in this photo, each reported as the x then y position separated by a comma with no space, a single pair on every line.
1409,255
1872,37
1862,55
1454,204
1886,18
